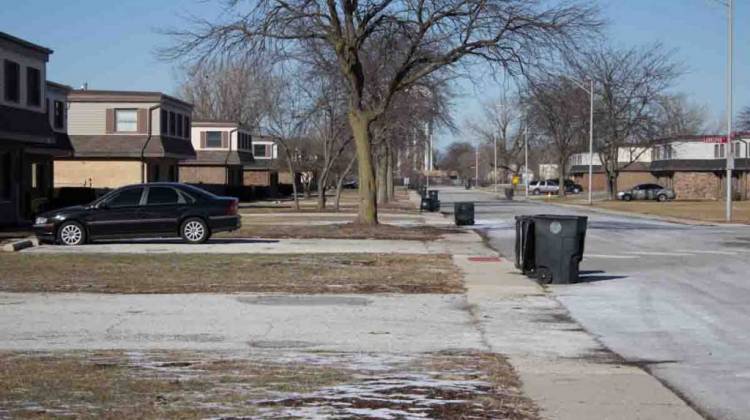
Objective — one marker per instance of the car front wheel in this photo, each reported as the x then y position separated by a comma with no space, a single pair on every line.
194,231
661,198
71,234
627,197
536,192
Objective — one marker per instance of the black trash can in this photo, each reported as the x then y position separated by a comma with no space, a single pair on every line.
463,213
433,194
435,204
558,243
525,244
425,204
509,193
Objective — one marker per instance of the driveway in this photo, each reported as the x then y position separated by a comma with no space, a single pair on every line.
671,297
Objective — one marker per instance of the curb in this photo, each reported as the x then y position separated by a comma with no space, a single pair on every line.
678,220
19,245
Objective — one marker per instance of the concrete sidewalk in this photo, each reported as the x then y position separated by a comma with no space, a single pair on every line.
565,370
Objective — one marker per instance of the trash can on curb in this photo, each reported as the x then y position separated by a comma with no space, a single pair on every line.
463,213
558,243
433,194
509,193
429,204
525,244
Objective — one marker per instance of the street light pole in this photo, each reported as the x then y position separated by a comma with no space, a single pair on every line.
591,138
730,100
590,91
526,160
476,164
428,152
495,167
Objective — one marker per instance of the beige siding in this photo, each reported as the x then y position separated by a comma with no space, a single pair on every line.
89,118
96,173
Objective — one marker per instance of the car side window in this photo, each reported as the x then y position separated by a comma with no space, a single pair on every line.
126,198
162,196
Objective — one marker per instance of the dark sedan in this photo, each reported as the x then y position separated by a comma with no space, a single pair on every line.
159,209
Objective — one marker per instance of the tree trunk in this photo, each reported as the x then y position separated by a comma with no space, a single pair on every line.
290,166
382,174
340,182
368,207
321,195
561,190
390,191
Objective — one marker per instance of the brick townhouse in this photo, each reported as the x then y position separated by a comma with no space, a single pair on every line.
124,137
28,144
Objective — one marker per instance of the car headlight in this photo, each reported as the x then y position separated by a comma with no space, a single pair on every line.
40,221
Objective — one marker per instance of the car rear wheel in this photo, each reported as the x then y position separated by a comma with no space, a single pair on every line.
627,197
194,231
536,192
661,198
71,234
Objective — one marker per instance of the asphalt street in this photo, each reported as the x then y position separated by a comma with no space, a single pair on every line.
674,298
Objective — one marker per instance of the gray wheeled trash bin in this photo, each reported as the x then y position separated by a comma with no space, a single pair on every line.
433,194
525,244
509,193
463,213
558,247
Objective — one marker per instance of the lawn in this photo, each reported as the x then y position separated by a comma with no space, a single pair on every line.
349,200
707,211
228,273
339,231
187,385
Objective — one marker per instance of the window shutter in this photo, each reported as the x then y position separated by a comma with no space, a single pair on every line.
110,123
142,120
203,139
224,139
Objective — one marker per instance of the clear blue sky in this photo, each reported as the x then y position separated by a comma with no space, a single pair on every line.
110,44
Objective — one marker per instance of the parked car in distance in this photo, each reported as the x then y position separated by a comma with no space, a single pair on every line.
544,187
159,209
647,192
572,187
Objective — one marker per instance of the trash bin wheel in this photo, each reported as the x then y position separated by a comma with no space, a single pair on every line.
543,276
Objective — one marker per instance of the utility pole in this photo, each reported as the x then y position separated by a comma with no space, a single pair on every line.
730,100
428,152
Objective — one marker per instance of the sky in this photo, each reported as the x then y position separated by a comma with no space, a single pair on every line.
111,45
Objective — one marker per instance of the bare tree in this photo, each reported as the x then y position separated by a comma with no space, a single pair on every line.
425,37
743,119
557,110
227,90
631,85
503,124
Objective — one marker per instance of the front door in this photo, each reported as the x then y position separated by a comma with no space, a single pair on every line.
161,211
118,215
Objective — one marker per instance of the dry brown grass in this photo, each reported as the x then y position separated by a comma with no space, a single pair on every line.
706,211
340,231
228,273
155,384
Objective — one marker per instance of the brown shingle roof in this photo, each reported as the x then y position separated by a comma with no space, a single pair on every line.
220,157
129,146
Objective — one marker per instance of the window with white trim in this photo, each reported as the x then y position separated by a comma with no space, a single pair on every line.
213,139
126,120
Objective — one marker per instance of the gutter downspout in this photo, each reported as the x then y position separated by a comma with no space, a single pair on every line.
229,152
148,140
